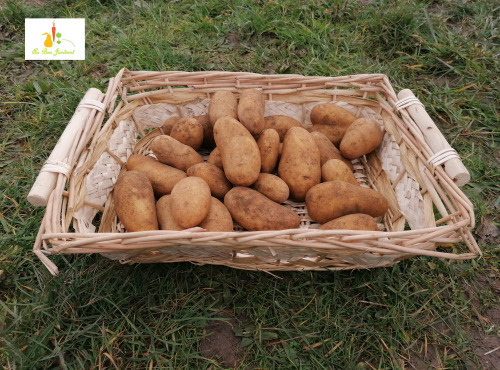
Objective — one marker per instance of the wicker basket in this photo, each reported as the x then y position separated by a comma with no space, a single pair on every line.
427,208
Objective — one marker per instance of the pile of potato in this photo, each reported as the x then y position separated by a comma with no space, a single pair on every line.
256,163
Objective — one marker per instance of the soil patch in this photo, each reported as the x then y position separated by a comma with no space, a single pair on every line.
487,345
487,349
483,337
486,337
221,344
428,358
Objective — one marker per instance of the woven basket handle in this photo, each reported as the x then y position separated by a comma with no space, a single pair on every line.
443,153
58,159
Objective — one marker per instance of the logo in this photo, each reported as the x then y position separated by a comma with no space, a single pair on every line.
54,39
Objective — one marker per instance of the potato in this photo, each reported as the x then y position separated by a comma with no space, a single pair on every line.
355,221
215,158
251,110
299,165
335,169
164,213
190,201
268,143
334,199
135,202
208,135
172,152
363,136
272,187
188,131
208,131
218,218
223,103
169,124
281,124
327,150
239,151
331,114
162,177
333,133
214,176
254,211
331,120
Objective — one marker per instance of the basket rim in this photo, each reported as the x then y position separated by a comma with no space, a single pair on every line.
131,86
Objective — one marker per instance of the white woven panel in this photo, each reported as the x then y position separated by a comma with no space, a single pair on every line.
407,190
264,254
369,260
101,179
274,108
154,115
194,109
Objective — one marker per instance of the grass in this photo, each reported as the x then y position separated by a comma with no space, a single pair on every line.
99,314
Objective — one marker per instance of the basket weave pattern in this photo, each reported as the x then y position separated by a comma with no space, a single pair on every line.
138,103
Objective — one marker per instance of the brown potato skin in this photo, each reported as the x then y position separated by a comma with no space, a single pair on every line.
269,144
362,137
135,202
208,131
333,133
336,170
355,221
190,202
218,218
331,120
327,150
164,213
215,158
272,187
173,153
188,131
299,164
254,211
239,151
214,176
334,199
251,110
223,103
331,114
162,177
281,124
169,124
